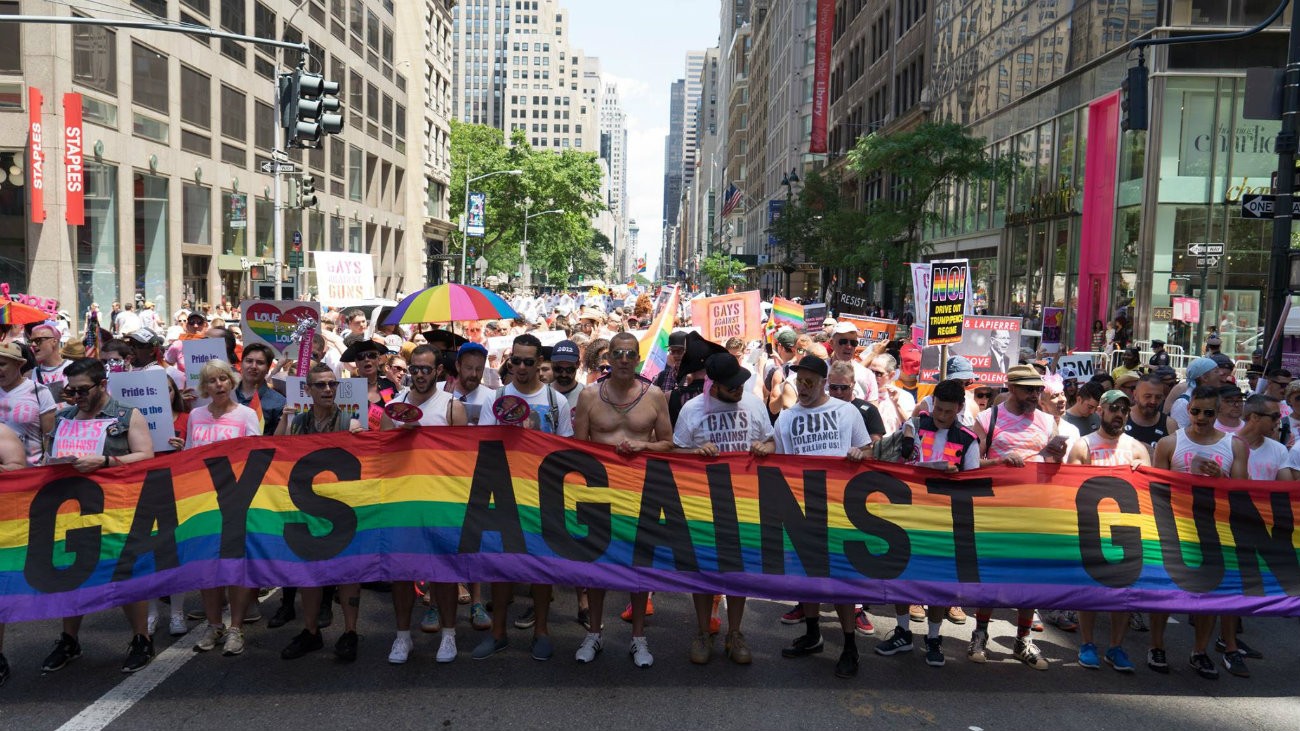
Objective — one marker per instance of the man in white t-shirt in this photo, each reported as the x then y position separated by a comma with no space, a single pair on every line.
127,321
46,344
471,359
25,406
565,357
818,425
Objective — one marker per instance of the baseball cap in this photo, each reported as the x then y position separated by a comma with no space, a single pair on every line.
196,318
1157,343
1114,395
1166,372
471,348
1230,391
1213,340
1023,375
1222,361
844,328
724,370
787,337
812,364
145,336
830,321
393,343
676,339
566,351
959,368
910,359
1067,373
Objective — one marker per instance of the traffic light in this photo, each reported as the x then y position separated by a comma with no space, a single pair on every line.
1178,286
307,192
1133,99
309,108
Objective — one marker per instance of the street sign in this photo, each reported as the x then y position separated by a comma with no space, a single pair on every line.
1261,206
1203,249
268,166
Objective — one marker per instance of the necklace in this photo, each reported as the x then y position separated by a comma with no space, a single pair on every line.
623,408
320,424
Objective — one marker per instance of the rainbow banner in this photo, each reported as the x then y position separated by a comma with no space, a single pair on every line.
505,504
787,313
654,346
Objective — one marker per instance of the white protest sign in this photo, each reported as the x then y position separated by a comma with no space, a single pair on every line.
1082,365
75,438
295,392
147,392
195,353
343,277
353,399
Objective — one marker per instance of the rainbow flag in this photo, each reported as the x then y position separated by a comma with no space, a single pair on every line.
654,346
255,404
787,312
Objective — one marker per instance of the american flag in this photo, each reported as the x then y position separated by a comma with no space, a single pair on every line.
730,199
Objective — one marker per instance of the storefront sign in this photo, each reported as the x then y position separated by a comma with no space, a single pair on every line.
74,169
737,315
343,277
36,154
991,344
821,74
1162,314
1058,203
1250,144
946,313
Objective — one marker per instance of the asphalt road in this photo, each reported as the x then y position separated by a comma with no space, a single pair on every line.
186,690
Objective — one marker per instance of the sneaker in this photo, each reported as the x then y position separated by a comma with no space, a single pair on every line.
1037,624
803,646
956,615
138,654
916,612
346,648
589,649
432,621
1203,666
304,643
1118,659
862,623
284,615
479,619
1242,647
212,634
196,614
626,615
737,649
1235,663
1157,662
640,652
253,614
1066,621
4,669
795,616
234,644
525,620
151,622
1137,622
900,640
934,652
1088,656
490,646
976,652
542,648
847,665
584,618
401,651
325,617
701,649
178,626
1027,652
447,649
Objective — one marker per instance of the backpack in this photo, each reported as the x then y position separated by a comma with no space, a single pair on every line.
897,446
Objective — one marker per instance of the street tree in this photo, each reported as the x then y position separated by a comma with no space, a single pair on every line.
719,270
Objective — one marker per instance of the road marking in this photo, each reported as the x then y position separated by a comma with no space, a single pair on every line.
118,700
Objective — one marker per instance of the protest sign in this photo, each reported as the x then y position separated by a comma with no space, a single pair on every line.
737,315
1053,322
147,392
1081,365
872,329
274,323
991,344
813,317
343,277
353,399
194,353
947,303
75,438
851,303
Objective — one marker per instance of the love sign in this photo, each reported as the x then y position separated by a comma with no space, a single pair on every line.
275,322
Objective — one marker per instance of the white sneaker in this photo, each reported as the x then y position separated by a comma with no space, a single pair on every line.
589,648
212,633
178,626
152,621
640,652
401,650
234,644
447,649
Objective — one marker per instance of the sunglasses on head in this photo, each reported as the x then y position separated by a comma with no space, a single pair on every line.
526,362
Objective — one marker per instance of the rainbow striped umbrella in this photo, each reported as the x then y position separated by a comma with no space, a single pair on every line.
17,313
451,303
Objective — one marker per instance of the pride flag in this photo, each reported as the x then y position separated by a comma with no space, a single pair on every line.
654,346
255,404
787,312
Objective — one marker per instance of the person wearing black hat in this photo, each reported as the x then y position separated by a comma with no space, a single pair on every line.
727,418
364,357
667,379
690,374
1159,357
818,425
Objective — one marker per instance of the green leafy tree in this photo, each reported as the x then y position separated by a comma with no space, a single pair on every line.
818,224
720,271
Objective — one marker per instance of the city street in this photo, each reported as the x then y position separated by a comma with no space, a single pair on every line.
186,690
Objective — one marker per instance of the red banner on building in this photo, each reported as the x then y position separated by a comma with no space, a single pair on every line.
822,75
36,154
74,171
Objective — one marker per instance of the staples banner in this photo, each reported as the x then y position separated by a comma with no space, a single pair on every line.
36,154
74,171
453,504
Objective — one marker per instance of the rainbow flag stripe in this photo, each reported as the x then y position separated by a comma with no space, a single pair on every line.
787,313
504,504
654,346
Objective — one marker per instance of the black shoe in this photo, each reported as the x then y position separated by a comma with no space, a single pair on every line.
138,654
900,640
284,615
1235,663
847,666
65,651
4,669
1242,647
1157,661
804,646
325,617
304,643
346,648
1204,666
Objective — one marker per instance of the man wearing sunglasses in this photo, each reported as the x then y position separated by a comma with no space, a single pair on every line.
630,414
565,357
46,346
1199,449
844,347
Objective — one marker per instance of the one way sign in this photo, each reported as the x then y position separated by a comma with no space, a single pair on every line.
1261,206
1200,249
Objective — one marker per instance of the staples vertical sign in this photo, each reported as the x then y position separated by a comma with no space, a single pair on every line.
74,170
36,153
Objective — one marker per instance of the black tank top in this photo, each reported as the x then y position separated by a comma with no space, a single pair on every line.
1148,435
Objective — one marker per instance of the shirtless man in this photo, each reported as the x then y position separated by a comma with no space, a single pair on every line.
629,413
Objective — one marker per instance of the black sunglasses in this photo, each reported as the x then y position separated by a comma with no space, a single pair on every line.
75,391
418,370
326,385
846,341
1198,412
526,362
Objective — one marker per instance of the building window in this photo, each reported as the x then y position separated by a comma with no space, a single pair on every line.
356,173
148,78
234,18
234,114
196,98
196,216
97,240
94,55
13,217
151,239
264,125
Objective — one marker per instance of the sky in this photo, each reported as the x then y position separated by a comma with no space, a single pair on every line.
642,47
